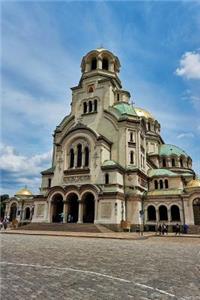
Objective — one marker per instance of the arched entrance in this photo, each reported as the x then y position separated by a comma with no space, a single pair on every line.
88,208
13,212
57,208
163,213
196,211
175,213
27,213
72,208
151,211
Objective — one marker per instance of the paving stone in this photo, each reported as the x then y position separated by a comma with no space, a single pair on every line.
47,267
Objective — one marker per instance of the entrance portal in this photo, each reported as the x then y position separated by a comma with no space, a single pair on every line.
13,212
27,213
88,208
57,208
72,208
196,210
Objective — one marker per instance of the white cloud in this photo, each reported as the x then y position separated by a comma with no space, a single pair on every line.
11,161
189,65
185,135
20,170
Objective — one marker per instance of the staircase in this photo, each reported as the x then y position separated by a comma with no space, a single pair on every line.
67,227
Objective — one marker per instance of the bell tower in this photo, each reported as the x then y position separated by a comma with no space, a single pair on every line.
100,62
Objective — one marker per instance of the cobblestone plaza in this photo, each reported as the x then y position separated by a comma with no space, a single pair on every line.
43,267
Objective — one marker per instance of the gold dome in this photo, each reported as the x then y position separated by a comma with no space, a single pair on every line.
194,183
143,113
23,192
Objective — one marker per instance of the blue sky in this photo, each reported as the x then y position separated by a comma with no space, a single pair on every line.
42,43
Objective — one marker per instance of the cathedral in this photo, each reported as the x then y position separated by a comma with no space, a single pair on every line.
110,163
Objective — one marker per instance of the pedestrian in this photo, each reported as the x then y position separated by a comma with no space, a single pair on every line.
1,224
69,219
177,229
5,223
164,229
185,228
159,229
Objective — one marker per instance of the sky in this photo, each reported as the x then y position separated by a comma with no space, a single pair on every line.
42,44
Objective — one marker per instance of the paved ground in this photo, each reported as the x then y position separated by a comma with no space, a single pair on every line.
48,267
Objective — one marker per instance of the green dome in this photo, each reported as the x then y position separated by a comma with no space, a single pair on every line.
125,109
169,150
109,163
161,172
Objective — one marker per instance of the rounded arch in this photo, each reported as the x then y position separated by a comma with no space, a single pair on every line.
175,213
73,207
88,200
13,211
163,215
196,211
151,213
27,213
57,207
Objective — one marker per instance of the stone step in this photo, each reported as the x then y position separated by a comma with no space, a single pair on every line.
194,229
71,227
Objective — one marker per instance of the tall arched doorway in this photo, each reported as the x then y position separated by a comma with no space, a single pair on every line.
151,211
13,212
57,208
72,208
88,208
163,213
175,213
196,210
27,213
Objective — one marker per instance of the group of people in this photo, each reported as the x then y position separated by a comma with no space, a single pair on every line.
4,223
163,229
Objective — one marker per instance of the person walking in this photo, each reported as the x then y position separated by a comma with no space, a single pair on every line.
177,229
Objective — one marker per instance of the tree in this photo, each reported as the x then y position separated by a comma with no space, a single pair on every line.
3,199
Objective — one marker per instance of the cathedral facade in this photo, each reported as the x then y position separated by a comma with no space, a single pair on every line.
110,163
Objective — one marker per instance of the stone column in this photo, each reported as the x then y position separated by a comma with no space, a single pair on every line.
65,211
80,211
49,212
99,63
169,215
157,215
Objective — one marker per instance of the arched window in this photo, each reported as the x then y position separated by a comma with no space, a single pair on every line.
132,157
79,155
86,156
118,97
163,213
131,137
85,107
106,178
173,162
49,182
90,89
181,162
196,211
27,213
175,213
166,184
164,162
95,105
161,184
151,212
105,64
94,64
71,158
149,126
156,184
90,106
